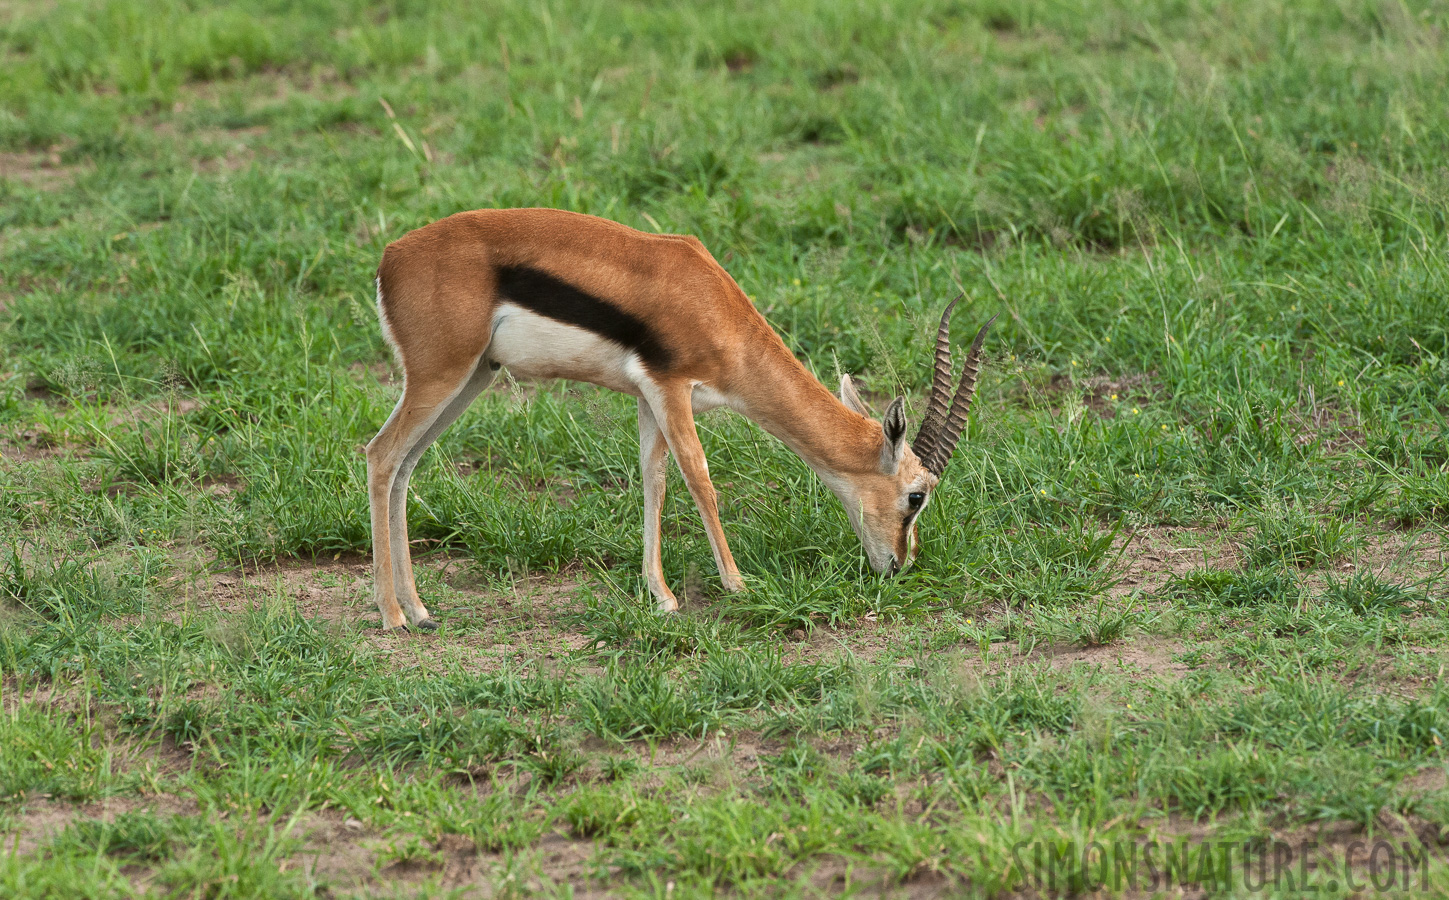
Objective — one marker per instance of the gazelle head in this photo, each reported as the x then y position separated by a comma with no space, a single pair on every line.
884,505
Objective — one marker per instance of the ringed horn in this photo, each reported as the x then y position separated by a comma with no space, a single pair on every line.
941,428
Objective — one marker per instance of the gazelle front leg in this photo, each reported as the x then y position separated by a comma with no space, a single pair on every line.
654,460
678,428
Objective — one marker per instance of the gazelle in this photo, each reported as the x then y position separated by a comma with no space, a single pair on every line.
554,294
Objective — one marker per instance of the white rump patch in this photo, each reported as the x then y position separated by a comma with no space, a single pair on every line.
387,334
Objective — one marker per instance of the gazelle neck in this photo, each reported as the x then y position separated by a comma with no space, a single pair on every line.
780,395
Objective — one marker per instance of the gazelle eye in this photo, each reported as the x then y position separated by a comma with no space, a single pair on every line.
915,499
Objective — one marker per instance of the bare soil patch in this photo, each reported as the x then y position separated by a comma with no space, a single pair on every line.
344,853
1066,396
339,849
154,409
39,821
1394,555
226,149
382,371
41,170
1141,658
867,640
265,89
37,448
486,628
1154,555
336,590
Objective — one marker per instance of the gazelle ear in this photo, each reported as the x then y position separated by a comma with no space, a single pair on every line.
894,425
850,398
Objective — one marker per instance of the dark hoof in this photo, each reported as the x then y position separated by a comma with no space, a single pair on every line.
428,625
401,629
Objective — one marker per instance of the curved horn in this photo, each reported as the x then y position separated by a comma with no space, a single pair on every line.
955,421
926,439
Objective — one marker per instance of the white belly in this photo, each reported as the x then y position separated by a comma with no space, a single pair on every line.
535,347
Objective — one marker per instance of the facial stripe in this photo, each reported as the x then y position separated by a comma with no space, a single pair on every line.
546,295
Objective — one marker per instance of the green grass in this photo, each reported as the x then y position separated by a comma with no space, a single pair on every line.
1185,575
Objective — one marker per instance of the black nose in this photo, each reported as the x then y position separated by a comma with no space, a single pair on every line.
894,567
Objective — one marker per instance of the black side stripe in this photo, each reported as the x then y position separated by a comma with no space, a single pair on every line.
542,293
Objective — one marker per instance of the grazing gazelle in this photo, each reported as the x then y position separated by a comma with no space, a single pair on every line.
553,294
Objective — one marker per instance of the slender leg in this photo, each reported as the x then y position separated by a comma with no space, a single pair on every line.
423,403
404,583
382,462
678,428
653,459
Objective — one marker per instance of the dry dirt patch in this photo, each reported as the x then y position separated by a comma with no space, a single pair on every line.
41,170
1390,554
37,449
1153,556
328,590
486,627
40,821
1146,656
336,849
226,149
342,852
1141,658
263,90
868,640
155,409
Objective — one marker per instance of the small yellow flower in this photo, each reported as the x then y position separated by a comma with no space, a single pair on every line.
1074,362
1164,428
1136,411
1136,474
1043,490
1340,382
1108,340
1114,396
796,282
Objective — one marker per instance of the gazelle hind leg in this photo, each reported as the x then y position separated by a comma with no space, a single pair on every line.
654,459
383,457
422,402
678,427
404,583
